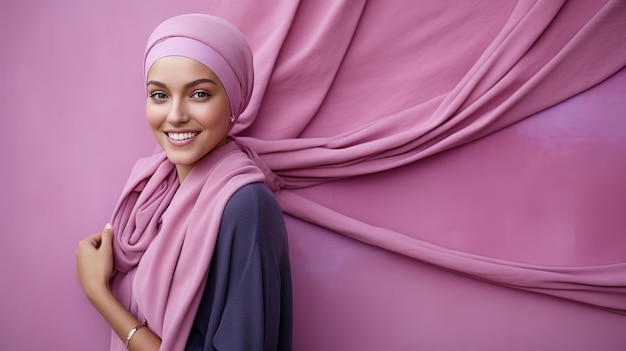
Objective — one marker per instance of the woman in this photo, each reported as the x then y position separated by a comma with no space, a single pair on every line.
196,256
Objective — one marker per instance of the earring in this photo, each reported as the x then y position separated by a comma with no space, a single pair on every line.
232,119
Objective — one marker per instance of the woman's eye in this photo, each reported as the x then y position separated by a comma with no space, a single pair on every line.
200,95
157,95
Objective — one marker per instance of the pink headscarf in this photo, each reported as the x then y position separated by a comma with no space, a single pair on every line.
213,42
165,232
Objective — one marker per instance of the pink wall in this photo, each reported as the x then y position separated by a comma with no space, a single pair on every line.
73,102
555,183
74,124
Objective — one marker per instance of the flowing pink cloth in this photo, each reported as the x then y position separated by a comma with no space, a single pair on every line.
348,88
161,261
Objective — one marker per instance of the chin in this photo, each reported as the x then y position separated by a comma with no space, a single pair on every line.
177,161
180,160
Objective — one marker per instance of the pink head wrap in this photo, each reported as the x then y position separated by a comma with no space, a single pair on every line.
213,42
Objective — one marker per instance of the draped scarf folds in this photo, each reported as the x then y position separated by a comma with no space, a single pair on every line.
161,262
349,88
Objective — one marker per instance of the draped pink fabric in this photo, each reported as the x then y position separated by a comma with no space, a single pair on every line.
548,190
350,88
151,224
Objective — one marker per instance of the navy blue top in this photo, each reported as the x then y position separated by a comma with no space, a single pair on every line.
246,304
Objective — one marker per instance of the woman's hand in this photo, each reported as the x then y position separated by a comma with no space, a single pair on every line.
94,262
94,266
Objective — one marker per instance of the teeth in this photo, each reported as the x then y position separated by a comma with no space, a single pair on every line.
182,136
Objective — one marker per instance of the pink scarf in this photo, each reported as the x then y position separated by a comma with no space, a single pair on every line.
165,235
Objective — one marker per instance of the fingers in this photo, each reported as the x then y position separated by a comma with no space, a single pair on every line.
108,230
98,239
94,259
107,236
92,241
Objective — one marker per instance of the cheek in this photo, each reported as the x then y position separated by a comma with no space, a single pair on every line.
154,116
212,114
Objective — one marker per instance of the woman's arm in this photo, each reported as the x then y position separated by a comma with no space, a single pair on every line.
246,304
94,266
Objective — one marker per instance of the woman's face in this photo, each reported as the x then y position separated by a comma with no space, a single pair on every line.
187,109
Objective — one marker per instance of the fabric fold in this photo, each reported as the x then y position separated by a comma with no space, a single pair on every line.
399,82
595,285
168,282
514,78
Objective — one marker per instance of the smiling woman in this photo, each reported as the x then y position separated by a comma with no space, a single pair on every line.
189,116
196,256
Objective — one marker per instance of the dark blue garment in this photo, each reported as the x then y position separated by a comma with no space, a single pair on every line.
246,304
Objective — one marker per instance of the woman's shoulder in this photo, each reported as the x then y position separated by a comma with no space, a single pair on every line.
253,205
254,196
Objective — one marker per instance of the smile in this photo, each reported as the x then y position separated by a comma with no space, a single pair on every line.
181,136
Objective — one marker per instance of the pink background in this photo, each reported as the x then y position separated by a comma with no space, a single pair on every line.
73,113
73,110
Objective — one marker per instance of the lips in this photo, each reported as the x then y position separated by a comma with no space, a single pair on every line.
181,136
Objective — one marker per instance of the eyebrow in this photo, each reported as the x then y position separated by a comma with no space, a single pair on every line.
187,86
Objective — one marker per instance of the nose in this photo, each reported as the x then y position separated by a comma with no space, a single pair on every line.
177,114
